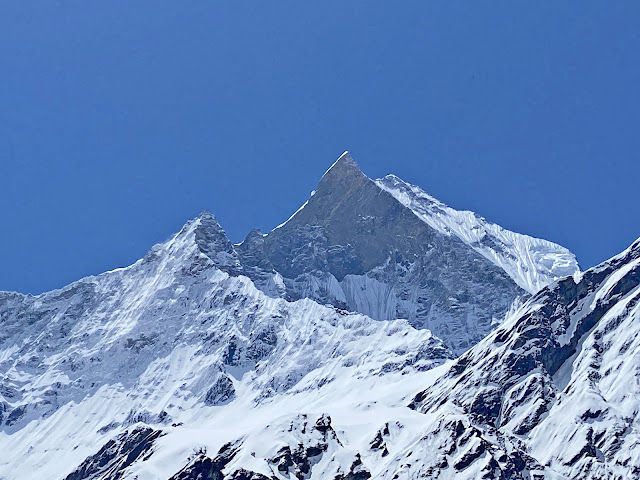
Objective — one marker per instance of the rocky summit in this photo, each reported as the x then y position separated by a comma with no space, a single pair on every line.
357,246
377,333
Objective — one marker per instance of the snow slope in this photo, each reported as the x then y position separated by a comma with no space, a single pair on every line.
532,263
560,379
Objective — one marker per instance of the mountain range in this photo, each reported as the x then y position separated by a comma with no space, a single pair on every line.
377,333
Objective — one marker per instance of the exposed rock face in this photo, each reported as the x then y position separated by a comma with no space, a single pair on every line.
111,462
221,392
205,468
356,246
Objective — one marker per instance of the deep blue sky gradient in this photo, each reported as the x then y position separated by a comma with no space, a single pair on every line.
121,120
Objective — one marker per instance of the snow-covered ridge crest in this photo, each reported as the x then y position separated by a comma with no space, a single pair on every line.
531,262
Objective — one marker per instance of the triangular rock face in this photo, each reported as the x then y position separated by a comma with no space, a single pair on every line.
343,174
353,245
359,222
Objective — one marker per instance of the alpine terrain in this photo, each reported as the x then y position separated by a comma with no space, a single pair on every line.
377,333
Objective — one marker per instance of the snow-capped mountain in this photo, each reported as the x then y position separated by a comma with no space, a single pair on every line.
326,349
388,250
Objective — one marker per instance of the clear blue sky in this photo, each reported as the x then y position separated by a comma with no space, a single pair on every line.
121,120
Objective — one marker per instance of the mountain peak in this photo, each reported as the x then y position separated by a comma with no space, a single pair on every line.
211,240
343,174
206,217
206,225
344,161
344,165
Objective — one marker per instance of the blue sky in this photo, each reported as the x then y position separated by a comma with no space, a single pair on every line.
121,120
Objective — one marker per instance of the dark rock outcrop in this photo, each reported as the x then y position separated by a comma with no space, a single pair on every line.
112,460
